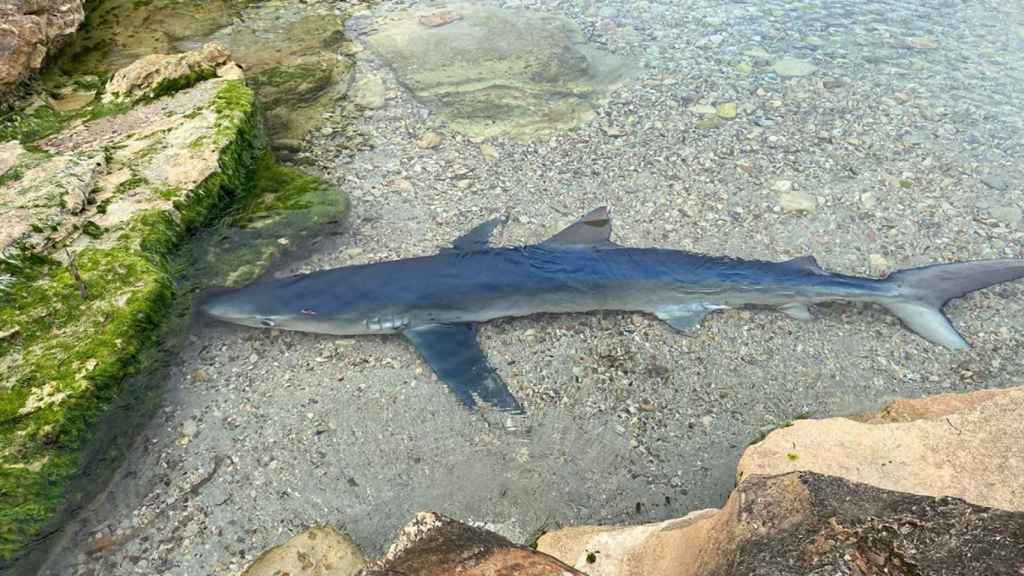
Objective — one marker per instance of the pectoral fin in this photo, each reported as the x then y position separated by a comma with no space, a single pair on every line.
454,354
683,318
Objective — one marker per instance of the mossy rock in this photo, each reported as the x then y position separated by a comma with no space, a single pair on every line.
73,333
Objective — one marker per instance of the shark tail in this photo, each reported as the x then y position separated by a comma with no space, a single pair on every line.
924,291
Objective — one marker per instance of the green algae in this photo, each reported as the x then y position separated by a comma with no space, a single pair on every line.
285,210
77,338
30,126
117,32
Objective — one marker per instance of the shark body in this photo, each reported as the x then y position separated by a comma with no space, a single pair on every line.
436,301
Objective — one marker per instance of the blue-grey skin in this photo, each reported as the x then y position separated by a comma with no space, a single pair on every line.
580,270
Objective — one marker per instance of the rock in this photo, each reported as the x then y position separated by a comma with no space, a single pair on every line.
159,74
878,265
369,93
797,201
805,523
29,31
966,446
114,195
789,67
726,111
490,152
1011,216
708,123
433,545
9,154
429,140
996,182
922,43
297,58
542,76
641,550
319,551
439,18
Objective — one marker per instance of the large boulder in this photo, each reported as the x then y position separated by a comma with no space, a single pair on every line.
89,218
433,545
30,30
158,74
924,486
319,551
805,523
961,445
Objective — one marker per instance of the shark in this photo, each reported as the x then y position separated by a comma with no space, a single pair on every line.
437,301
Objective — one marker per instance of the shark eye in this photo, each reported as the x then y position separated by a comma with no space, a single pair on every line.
267,322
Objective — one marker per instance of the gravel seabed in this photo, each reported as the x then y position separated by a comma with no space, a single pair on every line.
906,143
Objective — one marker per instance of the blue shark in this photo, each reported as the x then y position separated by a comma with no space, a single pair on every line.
437,301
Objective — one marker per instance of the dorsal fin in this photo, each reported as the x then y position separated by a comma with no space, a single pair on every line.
478,237
809,263
594,228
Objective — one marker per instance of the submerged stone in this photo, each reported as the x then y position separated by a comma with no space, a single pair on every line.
539,77
296,60
792,67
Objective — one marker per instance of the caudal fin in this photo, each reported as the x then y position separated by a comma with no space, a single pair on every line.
926,290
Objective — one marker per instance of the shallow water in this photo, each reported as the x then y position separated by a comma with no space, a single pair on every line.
903,146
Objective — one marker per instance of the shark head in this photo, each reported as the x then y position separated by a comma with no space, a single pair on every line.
275,304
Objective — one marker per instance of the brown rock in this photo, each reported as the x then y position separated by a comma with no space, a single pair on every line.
962,445
146,76
805,523
319,551
29,31
643,550
433,545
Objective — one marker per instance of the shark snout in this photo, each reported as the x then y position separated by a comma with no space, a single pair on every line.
229,306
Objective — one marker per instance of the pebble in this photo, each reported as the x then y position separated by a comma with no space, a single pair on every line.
429,140
790,67
782,186
369,93
706,123
878,265
189,427
796,201
726,110
1010,215
996,182
490,152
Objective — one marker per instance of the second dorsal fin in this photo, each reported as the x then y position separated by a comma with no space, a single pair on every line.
594,228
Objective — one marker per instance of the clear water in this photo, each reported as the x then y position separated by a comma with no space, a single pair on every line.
897,143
